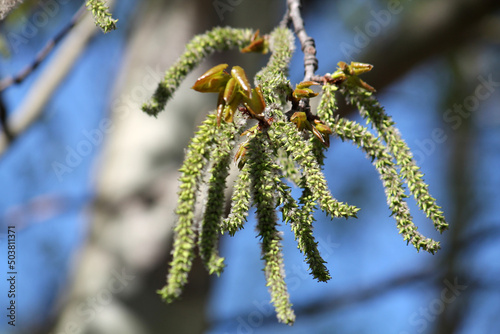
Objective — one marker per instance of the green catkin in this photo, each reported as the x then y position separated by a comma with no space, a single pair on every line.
303,230
261,172
272,79
383,162
197,157
288,166
273,82
373,112
101,14
301,220
276,150
240,203
287,135
214,208
393,187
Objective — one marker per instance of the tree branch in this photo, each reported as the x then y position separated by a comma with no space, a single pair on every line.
7,6
306,42
44,52
3,119
41,91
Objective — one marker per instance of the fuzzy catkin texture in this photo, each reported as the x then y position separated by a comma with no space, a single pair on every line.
303,230
374,113
101,14
217,39
264,199
383,161
240,203
208,240
276,149
302,152
273,79
393,185
183,251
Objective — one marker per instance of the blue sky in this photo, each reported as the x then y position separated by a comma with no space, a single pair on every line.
49,206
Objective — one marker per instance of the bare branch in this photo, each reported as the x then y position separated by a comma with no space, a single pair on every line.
40,57
18,78
286,18
41,91
307,42
3,119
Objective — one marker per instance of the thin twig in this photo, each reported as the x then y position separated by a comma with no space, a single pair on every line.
286,19
40,57
25,72
7,6
307,44
53,74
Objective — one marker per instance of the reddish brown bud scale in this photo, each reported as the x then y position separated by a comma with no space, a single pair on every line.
213,80
230,91
239,74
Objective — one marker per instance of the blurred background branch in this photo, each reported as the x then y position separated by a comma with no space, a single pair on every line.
6,6
50,78
432,29
40,57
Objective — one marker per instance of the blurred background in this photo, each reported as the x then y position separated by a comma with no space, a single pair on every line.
90,186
